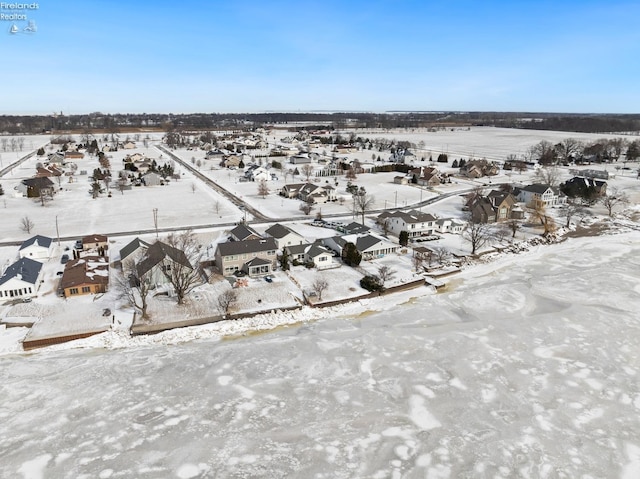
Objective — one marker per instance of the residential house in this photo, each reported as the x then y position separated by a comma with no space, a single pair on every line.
152,179
301,159
284,235
243,232
414,222
479,168
73,155
309,192
317,194
158,260
321,257
133,250
354,228
255,257
49,171
36,187
449,225
87,275
370,246
37,247
540,193
502,202
581,184
95,242
401,180
425,176
21,279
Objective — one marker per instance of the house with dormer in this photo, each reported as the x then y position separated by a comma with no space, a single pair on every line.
254,257
413,222
541,193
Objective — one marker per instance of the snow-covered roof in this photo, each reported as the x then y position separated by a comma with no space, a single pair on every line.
25,269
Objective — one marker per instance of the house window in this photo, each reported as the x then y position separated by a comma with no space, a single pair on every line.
86,289
73,291
322,258
166,268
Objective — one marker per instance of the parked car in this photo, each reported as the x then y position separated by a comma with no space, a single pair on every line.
64,259
268,279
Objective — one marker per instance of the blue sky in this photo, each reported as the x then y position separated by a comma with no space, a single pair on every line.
378,55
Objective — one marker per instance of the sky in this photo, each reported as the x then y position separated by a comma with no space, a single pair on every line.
351,55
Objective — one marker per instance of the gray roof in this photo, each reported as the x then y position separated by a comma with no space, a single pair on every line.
27,268
157,252
354,227
257,262
36,240
365,242
279,231
536,188
297,248
243,231
412,216
317,251
132,246
248,246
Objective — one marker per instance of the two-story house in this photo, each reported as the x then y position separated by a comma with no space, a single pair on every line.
255,257
413,222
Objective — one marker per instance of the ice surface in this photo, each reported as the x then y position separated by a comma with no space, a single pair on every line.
526,368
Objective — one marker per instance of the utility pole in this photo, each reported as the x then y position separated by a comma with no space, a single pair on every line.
57,231
155,220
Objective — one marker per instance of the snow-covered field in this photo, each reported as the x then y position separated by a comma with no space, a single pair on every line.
526,367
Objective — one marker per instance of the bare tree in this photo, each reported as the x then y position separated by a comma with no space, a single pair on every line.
306,207
549,175
477,234
26,224
385,273
538,212
568,148
263,188
441,254
351,174
216,207
613,199
307,170
226,300
513,226
319,286
135,287
193,188
183,272
362,201
418,261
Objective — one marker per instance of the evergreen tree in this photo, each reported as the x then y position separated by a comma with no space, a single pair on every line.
350,254
403,238
284,260
1,191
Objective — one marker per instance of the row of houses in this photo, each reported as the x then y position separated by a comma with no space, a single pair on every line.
86,273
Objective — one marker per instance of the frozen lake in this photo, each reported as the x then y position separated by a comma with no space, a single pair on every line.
528,367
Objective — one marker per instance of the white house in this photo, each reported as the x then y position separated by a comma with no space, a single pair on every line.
414,222
369,245
549,195
449,225
320,256
37,247
21,279
284,236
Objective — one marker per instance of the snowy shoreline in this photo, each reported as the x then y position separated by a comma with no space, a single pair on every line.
10,339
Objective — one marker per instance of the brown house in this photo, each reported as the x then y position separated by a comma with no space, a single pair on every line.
73,155
97,242
495,207
88,275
